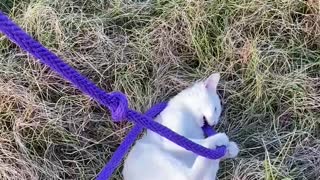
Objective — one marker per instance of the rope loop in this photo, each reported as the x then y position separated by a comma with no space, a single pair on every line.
119,106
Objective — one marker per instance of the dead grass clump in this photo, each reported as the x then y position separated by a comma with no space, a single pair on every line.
305,159
16,113
311,28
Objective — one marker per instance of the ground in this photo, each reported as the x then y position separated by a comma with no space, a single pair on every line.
267,52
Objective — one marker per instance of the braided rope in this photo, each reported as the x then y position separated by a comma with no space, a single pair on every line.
116,102
114,162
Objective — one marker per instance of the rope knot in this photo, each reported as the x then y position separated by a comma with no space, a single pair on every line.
119,107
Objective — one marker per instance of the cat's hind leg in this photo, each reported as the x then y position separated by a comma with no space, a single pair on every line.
149,162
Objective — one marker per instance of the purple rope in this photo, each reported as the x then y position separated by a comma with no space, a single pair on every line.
115,160
116,102
208,131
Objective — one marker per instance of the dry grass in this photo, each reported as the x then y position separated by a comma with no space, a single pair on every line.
267,52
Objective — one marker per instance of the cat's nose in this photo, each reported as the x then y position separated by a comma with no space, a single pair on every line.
211,122
215,121
211,119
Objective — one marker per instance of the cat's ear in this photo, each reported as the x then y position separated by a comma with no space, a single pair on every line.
212,82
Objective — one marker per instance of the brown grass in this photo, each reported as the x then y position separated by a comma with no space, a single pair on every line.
266,51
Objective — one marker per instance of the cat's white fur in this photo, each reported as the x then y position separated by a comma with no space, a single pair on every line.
156,158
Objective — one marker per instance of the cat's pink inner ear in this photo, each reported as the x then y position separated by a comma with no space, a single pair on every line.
212,82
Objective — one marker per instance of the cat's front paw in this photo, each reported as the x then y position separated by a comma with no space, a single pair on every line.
219,139
232,150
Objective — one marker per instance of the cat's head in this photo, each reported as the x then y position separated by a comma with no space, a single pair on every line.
202,100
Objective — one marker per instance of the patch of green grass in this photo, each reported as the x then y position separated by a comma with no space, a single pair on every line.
266,51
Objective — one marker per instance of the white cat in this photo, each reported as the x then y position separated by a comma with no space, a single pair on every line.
156,158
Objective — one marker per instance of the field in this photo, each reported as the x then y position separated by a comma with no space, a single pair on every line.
267,51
